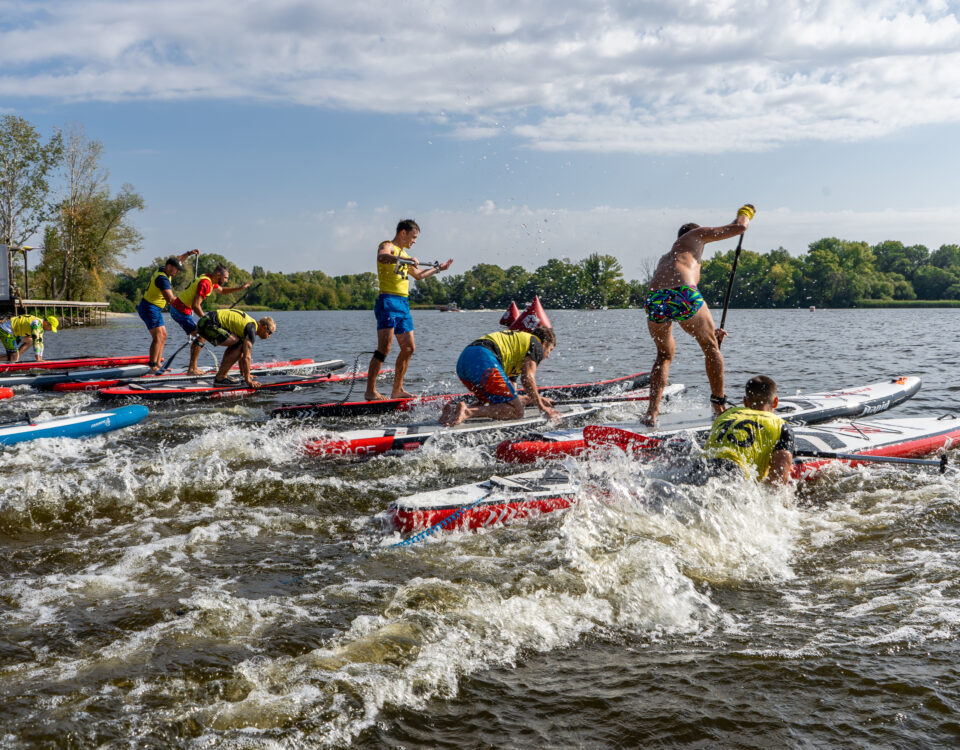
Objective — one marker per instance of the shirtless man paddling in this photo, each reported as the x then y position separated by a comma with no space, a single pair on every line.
673,297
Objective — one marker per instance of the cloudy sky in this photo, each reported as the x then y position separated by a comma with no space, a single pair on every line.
295,133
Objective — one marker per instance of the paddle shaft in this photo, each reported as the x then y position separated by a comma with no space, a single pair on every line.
733,272
940,464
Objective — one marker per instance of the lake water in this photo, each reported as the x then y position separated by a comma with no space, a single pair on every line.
195,581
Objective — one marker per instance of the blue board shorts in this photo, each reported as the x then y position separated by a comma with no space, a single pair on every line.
187,323
482,373
393,311
680,303
150,314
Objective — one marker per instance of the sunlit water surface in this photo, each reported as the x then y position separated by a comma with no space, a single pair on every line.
195,581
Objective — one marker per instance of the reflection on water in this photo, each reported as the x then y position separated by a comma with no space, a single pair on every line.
195,581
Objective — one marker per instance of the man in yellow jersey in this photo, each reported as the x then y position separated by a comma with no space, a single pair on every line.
752,439
487,366
237,331
155,297
393,306
673,296
190,301
19,332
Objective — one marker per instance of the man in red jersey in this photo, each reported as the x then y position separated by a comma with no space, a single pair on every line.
190,301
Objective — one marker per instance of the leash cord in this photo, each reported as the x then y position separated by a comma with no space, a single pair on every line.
445,523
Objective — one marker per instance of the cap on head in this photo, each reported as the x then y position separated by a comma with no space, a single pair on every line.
174,261
54,323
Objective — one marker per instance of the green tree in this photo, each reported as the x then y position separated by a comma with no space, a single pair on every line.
89,233
946,256
25,164
602,278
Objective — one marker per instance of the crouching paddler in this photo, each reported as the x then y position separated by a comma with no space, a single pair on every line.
487,367
237,331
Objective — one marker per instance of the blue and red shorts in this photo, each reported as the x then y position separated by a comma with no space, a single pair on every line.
186,321
150,314
393,311
680,303
482,373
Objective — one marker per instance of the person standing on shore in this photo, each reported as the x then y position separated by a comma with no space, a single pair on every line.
673,296
393,306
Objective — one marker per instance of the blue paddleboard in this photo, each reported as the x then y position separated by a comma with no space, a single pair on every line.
74,426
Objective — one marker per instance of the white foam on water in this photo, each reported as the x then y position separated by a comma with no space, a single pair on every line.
879,563
612,566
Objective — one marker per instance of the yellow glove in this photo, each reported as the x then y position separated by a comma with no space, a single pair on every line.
747,210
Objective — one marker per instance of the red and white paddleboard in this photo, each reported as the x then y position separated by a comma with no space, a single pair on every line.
377,440
71,364
501,499
808,408
206,388
290,365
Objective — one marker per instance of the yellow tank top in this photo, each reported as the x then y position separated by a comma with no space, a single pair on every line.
22,326
189,294
745,436
234,321
390,281
513,346
152,294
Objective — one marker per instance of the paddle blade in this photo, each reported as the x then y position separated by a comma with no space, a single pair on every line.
596,435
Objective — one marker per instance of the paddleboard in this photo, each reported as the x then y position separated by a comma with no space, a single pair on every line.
48,380
68,364
500,499
799,409
75,426
293,366
206,388
571,392
410,437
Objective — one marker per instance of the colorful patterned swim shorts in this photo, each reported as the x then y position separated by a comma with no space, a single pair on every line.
678,304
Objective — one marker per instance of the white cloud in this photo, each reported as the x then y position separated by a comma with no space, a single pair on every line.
696,76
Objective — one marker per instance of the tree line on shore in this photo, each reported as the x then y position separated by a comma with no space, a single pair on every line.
87,231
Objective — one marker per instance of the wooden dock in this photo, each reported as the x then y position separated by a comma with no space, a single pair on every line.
69,313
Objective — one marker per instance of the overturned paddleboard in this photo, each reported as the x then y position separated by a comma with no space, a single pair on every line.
801,409
76,426
500,499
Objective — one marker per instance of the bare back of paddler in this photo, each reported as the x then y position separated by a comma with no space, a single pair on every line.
673,297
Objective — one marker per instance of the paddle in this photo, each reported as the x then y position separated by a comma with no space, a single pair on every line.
409,262
166,365
24,417
941,464
726,298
